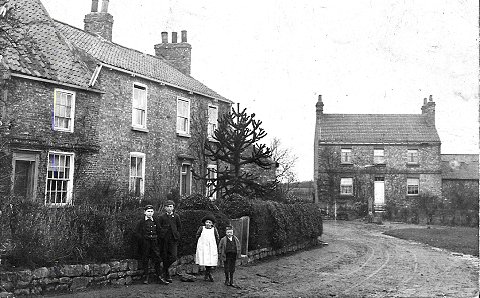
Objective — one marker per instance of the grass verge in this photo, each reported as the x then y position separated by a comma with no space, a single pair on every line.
456,239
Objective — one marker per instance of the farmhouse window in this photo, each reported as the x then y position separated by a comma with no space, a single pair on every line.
378,156
412,186
412,156
183,116
137,174
346,156
346,186
211,182
139,106
63,110
59,186
212,120
185,179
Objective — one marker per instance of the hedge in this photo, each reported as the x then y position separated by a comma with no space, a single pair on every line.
41,236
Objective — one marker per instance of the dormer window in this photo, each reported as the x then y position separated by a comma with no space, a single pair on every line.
64,110
346,156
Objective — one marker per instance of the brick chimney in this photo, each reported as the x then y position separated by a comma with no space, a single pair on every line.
428,109
319,106
100,23
178,55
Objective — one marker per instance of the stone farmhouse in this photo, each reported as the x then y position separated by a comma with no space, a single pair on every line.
363,162
79,111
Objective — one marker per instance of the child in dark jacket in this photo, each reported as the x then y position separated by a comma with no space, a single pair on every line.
207,240
229,252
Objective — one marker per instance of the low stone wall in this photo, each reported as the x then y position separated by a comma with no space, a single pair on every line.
66,278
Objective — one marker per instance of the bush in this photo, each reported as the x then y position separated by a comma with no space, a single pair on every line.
235,206
196,202
191,220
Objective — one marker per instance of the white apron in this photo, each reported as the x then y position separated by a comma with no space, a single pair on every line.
207,253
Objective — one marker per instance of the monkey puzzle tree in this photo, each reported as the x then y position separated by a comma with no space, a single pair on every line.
238,152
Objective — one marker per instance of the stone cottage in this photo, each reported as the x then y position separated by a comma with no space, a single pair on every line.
460,181
364,162
79,110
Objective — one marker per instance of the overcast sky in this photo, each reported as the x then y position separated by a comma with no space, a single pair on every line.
276,57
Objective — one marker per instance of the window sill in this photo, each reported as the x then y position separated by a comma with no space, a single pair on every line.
183,134
412,195
343,195
62,129
412,165
142,129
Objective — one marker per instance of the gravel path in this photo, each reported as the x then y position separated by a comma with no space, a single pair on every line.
359,261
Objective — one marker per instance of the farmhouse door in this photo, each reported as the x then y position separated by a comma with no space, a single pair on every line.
379,193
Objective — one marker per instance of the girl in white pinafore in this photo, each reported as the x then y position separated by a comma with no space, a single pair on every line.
207,240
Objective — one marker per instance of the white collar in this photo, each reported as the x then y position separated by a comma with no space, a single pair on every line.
146,218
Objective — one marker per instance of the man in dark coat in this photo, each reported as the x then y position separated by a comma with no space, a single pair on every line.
148,232
170,227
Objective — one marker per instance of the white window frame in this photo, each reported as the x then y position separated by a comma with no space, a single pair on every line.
143,108
346,152
69,191
346,183
379,156
212,120
413,182
211,173
188,176
412,153
56,112
131,186
182,118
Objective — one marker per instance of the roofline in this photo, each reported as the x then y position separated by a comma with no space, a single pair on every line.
381,143
18,75
162,82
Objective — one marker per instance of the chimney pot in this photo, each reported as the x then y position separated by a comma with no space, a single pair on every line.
174,37
430,98
164,37
184,35
94,5
105,5
320,98
425,101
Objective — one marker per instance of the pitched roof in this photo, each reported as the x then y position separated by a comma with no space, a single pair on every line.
132,60
31,45
376,128
460,166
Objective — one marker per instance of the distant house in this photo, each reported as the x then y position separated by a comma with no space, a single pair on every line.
363,162
79,109
460,180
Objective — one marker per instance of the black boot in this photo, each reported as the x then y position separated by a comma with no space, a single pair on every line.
210,277
205,277
230,283
227,280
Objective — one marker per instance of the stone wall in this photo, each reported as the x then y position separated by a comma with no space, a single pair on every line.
69,278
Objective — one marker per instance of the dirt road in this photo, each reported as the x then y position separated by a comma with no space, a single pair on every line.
357,262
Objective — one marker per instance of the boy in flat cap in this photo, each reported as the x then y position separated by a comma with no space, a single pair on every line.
207,241
170,227
148,232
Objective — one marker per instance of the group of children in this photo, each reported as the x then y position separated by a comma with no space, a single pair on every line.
159,236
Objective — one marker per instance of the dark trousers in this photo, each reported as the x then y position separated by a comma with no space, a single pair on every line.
151,250
229,264
169,254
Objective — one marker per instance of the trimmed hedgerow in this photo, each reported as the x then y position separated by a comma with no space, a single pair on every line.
274,224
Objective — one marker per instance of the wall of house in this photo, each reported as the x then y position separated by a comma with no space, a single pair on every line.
395,171
460,193
27,127
160,143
